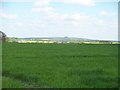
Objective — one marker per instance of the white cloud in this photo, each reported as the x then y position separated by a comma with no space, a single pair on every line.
107,14
8,16
79,2
45,2
71,18
19,24
1,27
45,9
106,0
77,24
104,13
1,10
55,0
42,3
76,17
42,6
17,0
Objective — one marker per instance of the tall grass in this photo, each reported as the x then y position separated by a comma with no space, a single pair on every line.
60,65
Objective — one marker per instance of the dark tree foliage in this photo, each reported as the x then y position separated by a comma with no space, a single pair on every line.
2,36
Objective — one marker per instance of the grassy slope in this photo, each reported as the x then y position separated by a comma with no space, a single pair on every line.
59,65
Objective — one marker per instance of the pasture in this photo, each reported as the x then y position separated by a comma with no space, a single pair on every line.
60,66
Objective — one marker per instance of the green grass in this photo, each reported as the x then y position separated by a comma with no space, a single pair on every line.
60,65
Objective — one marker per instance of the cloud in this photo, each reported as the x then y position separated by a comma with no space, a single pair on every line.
57,0
17,0
19,24
107,14
79,2
106,0
75,17
42,3
42,6
7,16
1,27
104,13
45,9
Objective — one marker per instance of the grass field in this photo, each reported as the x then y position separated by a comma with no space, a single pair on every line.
60,65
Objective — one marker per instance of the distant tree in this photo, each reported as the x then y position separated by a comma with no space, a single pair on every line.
2,36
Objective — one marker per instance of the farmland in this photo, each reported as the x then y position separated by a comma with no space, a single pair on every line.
60,65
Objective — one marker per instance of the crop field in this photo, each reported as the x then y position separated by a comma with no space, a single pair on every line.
59,66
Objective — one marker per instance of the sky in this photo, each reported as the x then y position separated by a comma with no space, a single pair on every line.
93,19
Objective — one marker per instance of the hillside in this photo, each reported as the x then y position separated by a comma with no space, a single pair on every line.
58,40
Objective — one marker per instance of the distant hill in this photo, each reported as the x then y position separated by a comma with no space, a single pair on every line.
57,38
62,39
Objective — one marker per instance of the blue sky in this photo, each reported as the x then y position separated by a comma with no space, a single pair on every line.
94,19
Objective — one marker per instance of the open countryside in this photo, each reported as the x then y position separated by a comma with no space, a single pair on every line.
60,65
60,40
59,44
